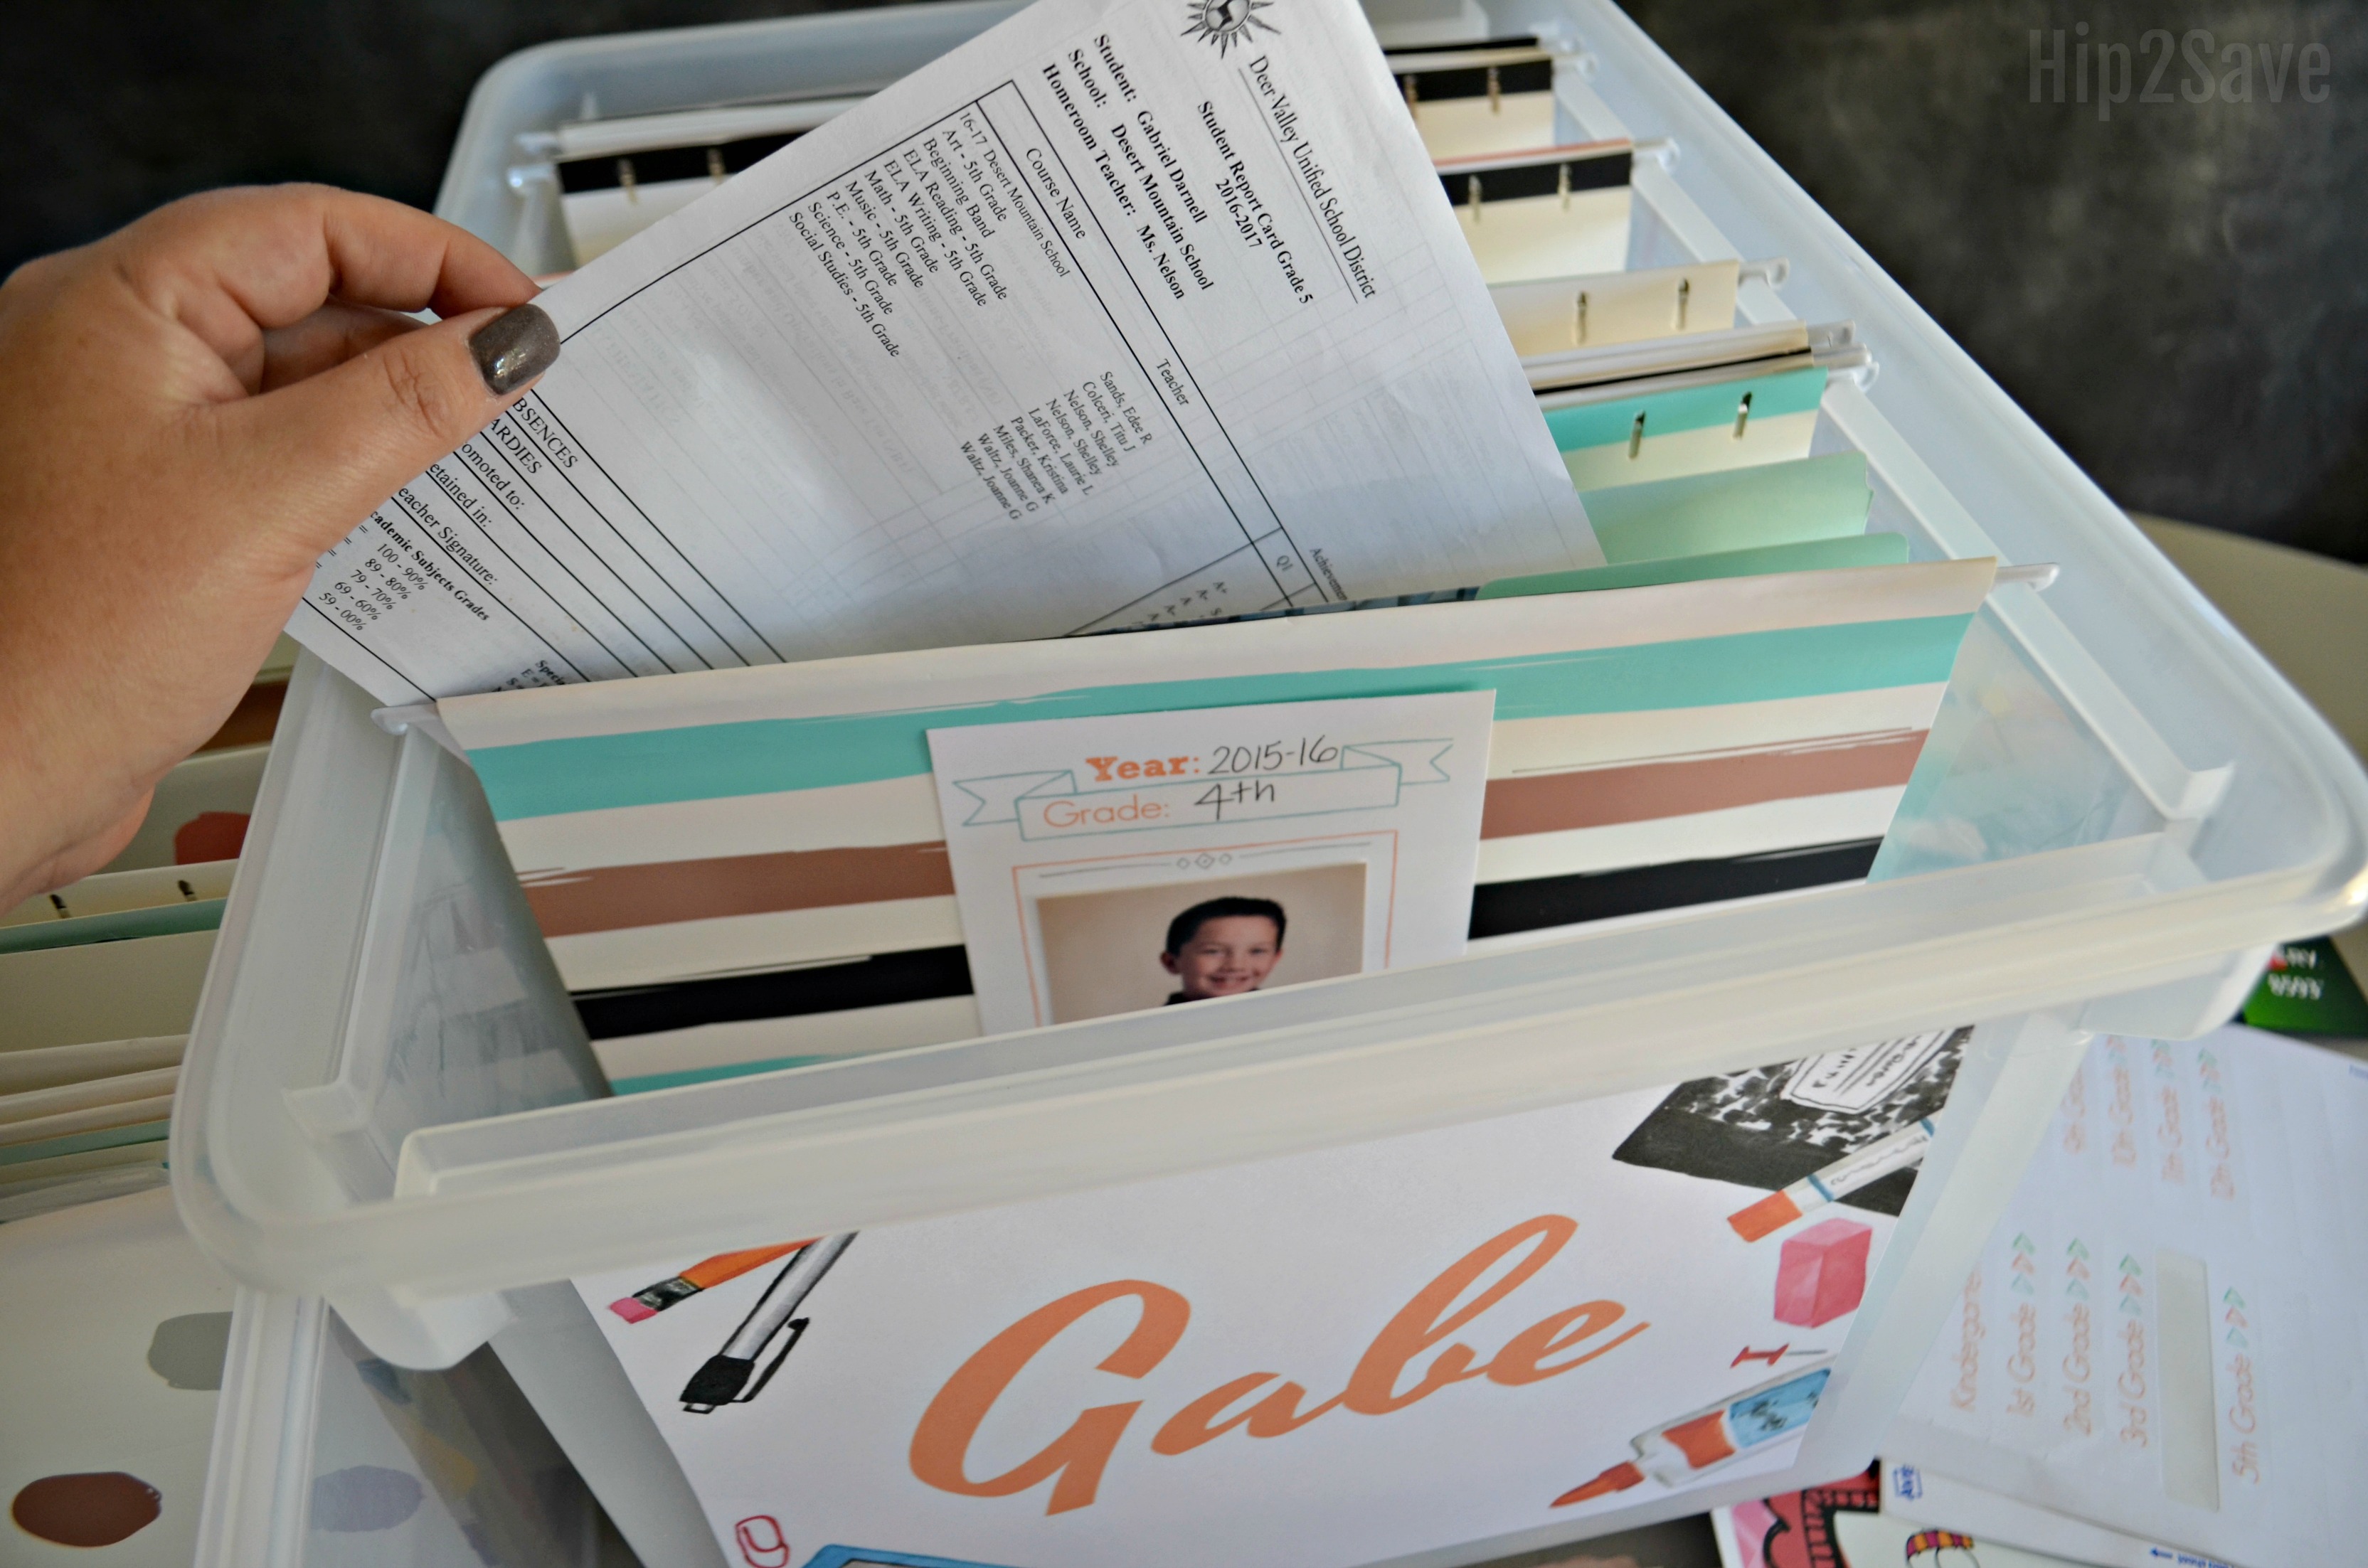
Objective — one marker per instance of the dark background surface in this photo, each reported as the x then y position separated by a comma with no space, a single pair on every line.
2177,293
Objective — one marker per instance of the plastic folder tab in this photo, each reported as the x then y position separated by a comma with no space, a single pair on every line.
1705,514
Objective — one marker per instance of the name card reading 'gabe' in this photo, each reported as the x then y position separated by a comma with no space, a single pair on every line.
1104,865
1338,1357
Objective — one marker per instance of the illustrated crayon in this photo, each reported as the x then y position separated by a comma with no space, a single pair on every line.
1894,1151
705,1275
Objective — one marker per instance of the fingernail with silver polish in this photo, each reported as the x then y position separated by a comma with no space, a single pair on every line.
514,348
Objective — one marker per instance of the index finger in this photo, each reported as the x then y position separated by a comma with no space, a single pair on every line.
231,265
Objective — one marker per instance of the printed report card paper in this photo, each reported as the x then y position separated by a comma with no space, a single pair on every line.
1095,321
1107,864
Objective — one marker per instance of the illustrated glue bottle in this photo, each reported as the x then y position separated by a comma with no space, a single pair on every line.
1703,1440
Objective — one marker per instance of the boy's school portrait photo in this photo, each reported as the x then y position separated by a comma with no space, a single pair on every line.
1223,947
1200,940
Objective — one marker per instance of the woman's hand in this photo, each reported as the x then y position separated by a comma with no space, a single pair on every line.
191,411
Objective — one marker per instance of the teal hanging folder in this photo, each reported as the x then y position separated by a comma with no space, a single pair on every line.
1743,508
1815,555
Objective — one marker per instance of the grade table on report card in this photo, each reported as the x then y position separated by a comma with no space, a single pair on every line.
1086,325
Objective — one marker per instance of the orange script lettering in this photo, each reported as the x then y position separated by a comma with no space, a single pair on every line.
1075,1460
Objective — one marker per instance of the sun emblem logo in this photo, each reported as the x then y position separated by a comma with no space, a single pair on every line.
1225,23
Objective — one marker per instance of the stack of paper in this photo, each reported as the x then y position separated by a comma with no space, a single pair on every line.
83,1121
102,977
2160,1351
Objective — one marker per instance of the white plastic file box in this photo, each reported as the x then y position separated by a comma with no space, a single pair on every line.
389,1101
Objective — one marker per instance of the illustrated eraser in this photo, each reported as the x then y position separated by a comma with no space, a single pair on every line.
1821,1273
631,1310
1771,1213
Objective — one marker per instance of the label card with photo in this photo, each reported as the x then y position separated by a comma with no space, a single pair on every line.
1105,865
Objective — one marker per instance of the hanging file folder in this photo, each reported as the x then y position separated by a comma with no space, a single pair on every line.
1628,433
1489,98
1815,555
1557,315
1733,509
1652,747
1554,213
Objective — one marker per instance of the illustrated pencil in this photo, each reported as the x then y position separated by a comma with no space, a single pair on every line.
705,1275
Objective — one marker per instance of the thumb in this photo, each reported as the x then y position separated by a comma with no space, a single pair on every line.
335,445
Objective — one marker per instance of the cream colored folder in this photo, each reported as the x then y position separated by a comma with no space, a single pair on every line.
1556,315
1480,102
1560,213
